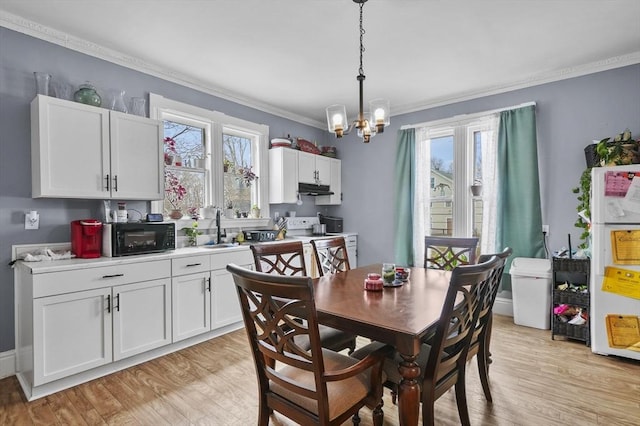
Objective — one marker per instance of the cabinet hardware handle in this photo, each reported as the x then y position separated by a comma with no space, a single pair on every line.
209,284
108,303
108,181
117,306
113,276
193,264
115,183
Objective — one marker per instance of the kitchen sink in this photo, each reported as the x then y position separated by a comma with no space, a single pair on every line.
222,245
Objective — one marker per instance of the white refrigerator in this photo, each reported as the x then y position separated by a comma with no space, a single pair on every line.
615,261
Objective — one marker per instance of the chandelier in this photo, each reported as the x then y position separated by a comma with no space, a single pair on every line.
368,124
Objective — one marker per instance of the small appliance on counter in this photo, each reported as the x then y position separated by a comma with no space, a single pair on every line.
333,224
86,238
260,235
124,239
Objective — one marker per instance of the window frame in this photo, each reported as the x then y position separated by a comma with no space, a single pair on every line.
217,123
462,133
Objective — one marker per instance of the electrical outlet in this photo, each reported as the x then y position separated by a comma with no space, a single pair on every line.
545,230
32,220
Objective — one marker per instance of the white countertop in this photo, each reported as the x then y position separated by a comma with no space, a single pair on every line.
75,263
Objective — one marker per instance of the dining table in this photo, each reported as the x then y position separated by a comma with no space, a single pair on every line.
401,316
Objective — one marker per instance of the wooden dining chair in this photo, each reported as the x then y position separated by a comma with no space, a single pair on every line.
310,386
280,258
331,255
288,259
443,361
448,252
481,339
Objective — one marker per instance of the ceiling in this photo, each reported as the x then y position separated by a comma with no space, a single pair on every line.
295,57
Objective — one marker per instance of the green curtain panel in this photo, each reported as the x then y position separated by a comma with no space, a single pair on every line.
518,205
404,186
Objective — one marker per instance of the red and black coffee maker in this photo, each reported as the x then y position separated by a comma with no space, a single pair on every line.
86,238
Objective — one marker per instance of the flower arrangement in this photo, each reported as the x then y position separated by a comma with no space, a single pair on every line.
174,192
192,233
170,148
247,175
193,212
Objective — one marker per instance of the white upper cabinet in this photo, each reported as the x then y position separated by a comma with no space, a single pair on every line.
314,168
288,167
81,151
283,176
335,185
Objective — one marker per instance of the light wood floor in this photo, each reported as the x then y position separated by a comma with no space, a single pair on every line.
534,380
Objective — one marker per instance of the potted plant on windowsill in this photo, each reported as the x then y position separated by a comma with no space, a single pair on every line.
476,188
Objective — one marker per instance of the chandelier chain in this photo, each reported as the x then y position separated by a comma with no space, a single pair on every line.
362,31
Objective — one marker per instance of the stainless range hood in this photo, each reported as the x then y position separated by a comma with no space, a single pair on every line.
313,189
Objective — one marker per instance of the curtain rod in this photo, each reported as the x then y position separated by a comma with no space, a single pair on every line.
465,117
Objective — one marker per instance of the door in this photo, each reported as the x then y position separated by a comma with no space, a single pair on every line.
306,167
335,185
137,165
225,305
616,194
71,334
610,303
191,301
323,169
69,149
141,317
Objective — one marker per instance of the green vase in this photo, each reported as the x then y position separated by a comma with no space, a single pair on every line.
87,94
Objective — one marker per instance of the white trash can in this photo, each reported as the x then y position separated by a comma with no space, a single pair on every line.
531,292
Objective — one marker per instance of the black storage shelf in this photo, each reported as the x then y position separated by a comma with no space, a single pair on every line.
576,273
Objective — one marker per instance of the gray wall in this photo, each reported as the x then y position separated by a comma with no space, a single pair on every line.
570,114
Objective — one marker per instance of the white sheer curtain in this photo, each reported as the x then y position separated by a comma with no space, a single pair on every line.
490,178
422,216
421,206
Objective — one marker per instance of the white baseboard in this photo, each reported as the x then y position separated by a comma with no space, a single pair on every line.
7,364
503,306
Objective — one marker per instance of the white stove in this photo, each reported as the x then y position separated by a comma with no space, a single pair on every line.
301,228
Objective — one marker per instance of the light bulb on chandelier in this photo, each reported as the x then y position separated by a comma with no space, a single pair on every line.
367,124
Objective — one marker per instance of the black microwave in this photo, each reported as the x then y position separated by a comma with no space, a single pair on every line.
124,239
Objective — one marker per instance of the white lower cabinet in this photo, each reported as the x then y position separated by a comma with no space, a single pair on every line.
191,298
71,334
141,317
79,330
77,320
204,301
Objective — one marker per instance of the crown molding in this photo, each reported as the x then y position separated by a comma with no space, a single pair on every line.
25,26
534,80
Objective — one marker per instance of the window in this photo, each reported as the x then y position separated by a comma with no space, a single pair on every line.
239,154
187,186
449,161
211,159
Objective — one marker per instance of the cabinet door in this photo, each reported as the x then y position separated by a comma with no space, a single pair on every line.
306,167
323,169
141,317
69,149
335,185
136,158
283,176
225,305
71,334
191,301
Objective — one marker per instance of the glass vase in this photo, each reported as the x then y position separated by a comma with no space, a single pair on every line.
116,101
87,94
